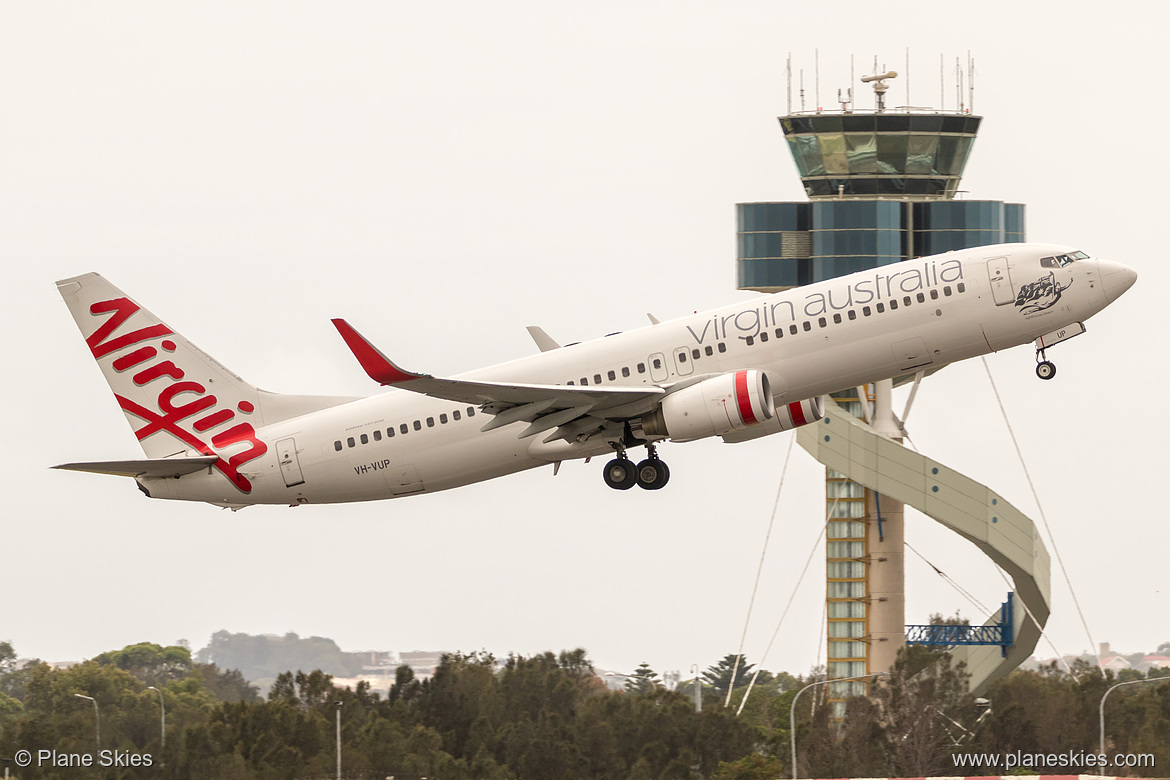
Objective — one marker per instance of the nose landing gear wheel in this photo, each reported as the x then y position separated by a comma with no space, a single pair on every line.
620,474
652,474
1045,370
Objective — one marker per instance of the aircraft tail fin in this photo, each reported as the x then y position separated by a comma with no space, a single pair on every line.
176,397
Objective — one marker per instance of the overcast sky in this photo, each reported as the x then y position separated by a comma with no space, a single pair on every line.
443,175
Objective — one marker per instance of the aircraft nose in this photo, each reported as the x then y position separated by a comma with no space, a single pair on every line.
1115,278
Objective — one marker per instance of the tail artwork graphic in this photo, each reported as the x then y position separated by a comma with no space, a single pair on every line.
183,406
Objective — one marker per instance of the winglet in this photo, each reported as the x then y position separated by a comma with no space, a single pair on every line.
542,339
379,367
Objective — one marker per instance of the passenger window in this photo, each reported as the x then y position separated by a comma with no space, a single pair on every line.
584,381
695,354
905,302
865,310
365,439
894,304
377,436
837,319
750,341
852,314
763,335
708,351
921,298
934,295
390,432
947,290
962,287
351,442
821,321
337,445
881,307
612,376
807,326
625,370
779,333
471,411
418,425
657,363
571,382
641,368
792,329
443,419
455,415
722,347
430,422
682,356
403,429
597,379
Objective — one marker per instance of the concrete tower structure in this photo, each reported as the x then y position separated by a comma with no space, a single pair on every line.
881,186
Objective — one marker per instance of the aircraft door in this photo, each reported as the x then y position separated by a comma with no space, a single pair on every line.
290,465
682,361
658,370
1001,281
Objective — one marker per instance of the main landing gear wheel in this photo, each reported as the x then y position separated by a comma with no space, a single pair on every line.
652,474
619,473
1045,369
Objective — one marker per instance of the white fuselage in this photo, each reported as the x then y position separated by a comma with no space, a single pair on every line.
813,340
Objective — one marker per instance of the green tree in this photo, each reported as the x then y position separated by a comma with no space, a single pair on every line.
643,680
719,676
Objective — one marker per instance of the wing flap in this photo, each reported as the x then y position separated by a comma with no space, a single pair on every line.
150,467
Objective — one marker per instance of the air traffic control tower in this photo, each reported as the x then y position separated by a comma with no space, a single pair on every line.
882,187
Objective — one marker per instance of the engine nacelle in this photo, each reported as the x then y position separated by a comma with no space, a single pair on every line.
788,416
713,407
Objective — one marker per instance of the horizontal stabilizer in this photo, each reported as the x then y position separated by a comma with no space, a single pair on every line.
152,467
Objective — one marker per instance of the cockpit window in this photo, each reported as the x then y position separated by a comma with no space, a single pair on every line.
1060,261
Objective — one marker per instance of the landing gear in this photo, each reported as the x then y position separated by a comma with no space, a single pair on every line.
621,473
1045,369
653,474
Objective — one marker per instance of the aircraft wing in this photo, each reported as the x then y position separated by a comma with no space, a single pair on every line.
544,407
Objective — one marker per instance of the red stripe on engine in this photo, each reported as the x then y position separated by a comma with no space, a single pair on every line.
797,414
742,399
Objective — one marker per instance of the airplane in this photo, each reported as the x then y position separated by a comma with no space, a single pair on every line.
740,372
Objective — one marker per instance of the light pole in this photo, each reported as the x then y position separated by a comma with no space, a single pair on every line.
97,721
338,740
698,689
792,709
1101,709
162,705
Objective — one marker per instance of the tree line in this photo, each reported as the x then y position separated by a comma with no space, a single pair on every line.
549,716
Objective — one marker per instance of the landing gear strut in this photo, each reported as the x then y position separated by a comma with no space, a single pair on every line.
621,473
1045,369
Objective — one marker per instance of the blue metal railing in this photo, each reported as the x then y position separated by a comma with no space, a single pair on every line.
999,633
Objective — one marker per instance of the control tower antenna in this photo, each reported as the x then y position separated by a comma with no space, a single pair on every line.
817,77
908,103
971,82
880,87
788,76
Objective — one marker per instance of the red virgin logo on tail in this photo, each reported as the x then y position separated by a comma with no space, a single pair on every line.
171,408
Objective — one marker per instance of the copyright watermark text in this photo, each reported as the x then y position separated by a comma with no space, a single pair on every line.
103,758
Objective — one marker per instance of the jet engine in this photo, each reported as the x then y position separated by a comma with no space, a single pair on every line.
713,407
